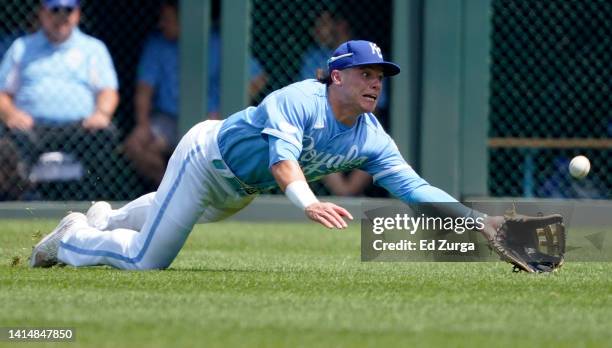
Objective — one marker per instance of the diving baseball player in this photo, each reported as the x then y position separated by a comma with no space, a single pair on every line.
297,134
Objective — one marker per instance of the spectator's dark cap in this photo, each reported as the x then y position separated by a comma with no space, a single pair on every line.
61,3
359,53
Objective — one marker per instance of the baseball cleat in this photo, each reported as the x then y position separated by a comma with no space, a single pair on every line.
44,253
97,215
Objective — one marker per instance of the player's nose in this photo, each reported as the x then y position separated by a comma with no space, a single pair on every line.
377,85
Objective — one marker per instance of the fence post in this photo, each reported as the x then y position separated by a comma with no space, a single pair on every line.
235,29
406,87
475,98
193,46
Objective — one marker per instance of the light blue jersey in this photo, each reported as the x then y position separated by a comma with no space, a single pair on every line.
297,123
57,83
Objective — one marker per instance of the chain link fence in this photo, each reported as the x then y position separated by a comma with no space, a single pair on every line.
550,97
290,39
549,88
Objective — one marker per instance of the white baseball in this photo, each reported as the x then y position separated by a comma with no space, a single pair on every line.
579,167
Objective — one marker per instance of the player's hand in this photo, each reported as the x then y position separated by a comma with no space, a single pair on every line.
328,214
97,120
491,225
19,120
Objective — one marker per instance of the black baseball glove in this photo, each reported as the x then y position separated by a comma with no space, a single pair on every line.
531,243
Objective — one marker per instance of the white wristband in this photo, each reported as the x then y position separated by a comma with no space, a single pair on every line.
300,194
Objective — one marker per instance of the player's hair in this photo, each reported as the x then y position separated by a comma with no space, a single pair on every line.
324,77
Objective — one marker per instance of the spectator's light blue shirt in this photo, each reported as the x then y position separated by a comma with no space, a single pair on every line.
57,83
159,68
297,123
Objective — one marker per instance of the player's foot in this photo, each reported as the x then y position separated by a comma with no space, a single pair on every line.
97,215
45,252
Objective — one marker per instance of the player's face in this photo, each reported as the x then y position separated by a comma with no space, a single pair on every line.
363,86
57,23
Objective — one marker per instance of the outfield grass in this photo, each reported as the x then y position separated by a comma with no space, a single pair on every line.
301,285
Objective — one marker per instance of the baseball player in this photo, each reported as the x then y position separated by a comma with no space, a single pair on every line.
297,134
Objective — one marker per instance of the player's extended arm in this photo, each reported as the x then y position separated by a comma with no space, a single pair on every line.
291,180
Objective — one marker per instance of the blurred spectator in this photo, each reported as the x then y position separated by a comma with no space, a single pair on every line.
257,82
328,32
157,94
58,90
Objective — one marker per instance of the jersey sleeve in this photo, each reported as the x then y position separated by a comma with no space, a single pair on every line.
9,68
389,170
287,111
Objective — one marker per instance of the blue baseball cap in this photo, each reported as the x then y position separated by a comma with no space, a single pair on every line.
60,3
356,53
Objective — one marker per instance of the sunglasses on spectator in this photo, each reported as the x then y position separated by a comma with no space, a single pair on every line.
62,10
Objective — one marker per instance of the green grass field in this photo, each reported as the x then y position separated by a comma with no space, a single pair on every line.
238,284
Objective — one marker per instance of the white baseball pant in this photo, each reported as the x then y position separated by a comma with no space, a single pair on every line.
150,231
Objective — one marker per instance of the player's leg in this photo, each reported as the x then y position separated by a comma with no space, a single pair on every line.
159,146
174,210
176,206
131,216
171,217
188,188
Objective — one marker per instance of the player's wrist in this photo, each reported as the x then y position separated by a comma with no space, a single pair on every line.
300,194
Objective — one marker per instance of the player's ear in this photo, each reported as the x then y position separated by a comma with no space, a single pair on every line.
336,77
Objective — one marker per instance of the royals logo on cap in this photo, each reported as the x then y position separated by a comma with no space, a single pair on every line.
359,53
